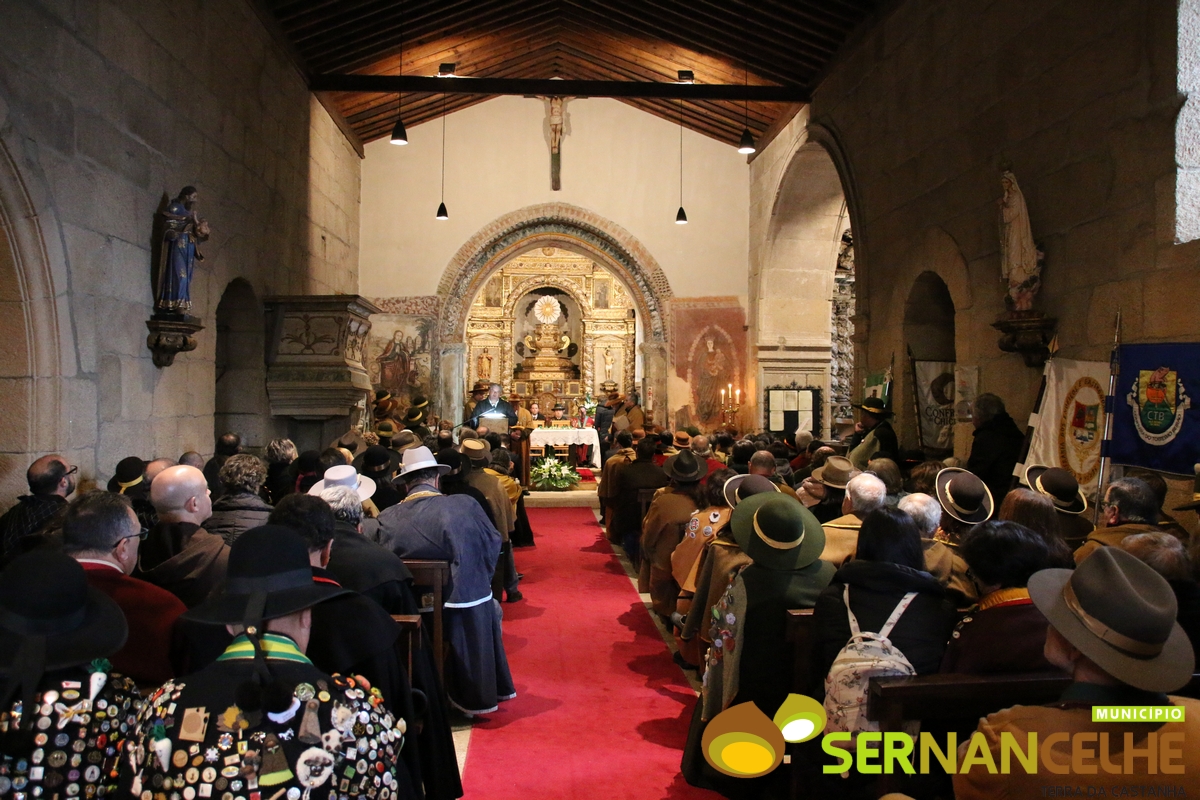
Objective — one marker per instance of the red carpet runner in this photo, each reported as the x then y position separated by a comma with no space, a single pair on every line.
601,711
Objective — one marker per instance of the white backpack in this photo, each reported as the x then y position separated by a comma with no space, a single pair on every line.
867,655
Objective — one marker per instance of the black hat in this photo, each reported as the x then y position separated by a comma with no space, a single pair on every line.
269,576
739,487
963,495
418,402
129,473
1059,485
559,407
381,395
415,414
51,619
376,458
450,458
685,467
875,407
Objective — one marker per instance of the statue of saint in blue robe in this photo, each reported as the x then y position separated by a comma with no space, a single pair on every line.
183,231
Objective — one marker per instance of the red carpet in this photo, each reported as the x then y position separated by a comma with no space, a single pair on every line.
601,711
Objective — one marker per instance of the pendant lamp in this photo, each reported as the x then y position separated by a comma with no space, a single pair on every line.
681,215
399,135
442,213
746,145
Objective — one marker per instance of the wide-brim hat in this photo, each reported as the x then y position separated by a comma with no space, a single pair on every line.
347,476
964,496
46,594
741,487
475,449
414,414
480,386
378,458
129,472
682,439
405,440
836,472
777,532
1119,613
685,467
350,440
1059,485
875,407
559,407
1195,504
420,458
449,458
381,395
268,565
386,429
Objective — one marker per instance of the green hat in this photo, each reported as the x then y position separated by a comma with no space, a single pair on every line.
777,532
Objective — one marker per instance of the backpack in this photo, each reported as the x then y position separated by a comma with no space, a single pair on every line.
867,655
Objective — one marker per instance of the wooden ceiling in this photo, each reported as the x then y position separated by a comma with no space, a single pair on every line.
768,42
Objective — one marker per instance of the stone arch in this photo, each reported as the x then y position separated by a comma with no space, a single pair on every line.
553,225
35,337
241,402
792,292
536,282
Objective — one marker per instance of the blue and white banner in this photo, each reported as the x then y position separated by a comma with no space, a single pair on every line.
1156,410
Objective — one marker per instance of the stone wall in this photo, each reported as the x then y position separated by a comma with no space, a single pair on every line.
107,109
1079,100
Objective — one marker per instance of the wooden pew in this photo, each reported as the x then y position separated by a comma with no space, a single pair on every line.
409,640
645,498
435,575
800,633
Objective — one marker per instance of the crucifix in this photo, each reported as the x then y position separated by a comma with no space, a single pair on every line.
555,117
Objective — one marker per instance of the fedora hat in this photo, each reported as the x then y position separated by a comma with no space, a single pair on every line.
836,472
480,387
685,467
776,532
50,618
739,487
405,440
381,395
414,415
386,429
449,458
130,472
475,449
963,495
1059,485
875,407
347,476
421,458
376,458
269,576
1195,504
1119,613
682,439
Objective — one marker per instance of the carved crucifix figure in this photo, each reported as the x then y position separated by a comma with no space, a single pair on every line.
556,119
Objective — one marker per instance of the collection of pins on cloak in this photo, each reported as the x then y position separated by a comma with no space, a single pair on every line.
77,738
243,757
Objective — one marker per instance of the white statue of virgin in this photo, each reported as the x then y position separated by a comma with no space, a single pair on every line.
1018,254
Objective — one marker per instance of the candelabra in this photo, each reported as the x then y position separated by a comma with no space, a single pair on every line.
731,403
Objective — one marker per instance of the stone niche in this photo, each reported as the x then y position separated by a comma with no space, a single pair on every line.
315,365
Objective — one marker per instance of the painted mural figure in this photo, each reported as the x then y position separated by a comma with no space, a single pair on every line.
1018,254
711,381
396,371
183,230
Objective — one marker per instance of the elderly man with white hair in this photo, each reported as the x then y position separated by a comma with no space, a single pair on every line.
941,560
864,494
359,563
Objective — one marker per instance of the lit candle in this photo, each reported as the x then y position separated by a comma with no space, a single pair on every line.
739,396
731,390
722,395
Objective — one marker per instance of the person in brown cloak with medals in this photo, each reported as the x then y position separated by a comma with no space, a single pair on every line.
261,722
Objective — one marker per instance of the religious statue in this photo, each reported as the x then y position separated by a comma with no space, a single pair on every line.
183,230
556,123
710,382
1019,257
484,365
608,363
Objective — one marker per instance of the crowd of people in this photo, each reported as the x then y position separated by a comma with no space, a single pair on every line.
224,627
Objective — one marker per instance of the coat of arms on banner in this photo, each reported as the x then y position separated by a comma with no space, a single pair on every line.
1158,400
1080,429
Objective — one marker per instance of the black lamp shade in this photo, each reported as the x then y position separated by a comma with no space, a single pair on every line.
442,213
746,145
399,135
681,217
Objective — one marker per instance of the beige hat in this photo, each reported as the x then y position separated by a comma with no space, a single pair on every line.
836,472
475,449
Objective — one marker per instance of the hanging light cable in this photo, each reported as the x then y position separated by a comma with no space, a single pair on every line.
441,212
746,145
399,135
681,216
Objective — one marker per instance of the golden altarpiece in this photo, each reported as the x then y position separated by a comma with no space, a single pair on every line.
552,350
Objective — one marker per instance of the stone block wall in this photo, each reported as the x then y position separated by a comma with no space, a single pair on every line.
106,110
1079,100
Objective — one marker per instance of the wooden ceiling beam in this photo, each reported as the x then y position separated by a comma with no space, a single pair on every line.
524,86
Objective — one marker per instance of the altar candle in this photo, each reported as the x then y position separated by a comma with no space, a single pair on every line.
722,395
739,396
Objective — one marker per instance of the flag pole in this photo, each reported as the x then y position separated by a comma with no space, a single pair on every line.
912,362
1015,480
1114,371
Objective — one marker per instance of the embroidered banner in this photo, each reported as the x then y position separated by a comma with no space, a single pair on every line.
1068,431
1156,424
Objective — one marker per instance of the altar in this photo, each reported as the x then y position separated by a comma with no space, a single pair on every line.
541,437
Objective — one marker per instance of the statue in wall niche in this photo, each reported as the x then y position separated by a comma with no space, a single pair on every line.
608,363
484,365
183,231
1020,261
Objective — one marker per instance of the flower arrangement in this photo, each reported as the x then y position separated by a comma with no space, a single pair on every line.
552,474
588,404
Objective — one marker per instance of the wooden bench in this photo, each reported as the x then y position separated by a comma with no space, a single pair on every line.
800,633
645,498
409,640
435,575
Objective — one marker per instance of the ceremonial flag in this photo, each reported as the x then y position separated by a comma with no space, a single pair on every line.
934,382
1069,426
1155,423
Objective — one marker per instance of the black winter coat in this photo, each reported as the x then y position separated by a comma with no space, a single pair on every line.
234,514
994,453
875,589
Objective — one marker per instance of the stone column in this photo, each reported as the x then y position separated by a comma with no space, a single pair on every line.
453,376
654,380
